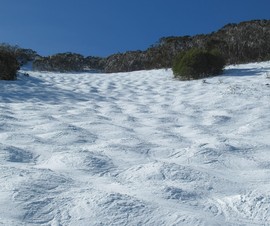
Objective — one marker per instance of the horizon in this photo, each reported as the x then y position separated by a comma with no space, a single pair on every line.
102,28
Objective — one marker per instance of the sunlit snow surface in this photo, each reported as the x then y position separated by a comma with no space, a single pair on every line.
136,148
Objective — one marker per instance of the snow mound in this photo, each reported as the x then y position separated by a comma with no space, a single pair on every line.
136,148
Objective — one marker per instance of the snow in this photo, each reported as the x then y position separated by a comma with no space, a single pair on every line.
137,148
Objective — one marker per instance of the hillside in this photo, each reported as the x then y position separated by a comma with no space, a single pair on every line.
239,43
136,149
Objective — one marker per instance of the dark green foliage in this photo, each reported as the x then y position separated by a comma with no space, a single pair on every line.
244,42
8,65
67,61
197,63
23,56
92,63
238,43
62,62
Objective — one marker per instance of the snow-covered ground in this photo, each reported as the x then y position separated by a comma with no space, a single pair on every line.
136,148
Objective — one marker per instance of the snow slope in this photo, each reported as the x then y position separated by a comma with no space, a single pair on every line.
136,148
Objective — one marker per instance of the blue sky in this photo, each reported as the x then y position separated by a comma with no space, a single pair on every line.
104,27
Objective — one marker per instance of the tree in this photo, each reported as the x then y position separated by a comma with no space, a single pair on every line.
198,63
8,65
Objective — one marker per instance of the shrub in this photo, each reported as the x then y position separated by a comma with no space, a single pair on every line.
23,56
197,63
8,65
62,62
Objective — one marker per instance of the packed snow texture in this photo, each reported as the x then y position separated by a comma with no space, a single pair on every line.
136,148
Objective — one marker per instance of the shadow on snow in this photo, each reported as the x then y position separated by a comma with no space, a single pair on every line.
31,89
245,72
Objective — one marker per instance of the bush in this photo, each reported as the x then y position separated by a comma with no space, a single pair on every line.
23,56
197,63
8,65
62,62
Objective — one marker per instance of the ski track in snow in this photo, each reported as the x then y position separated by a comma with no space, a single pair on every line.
136,148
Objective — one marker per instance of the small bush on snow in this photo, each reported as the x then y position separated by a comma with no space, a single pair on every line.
8,65
197,63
